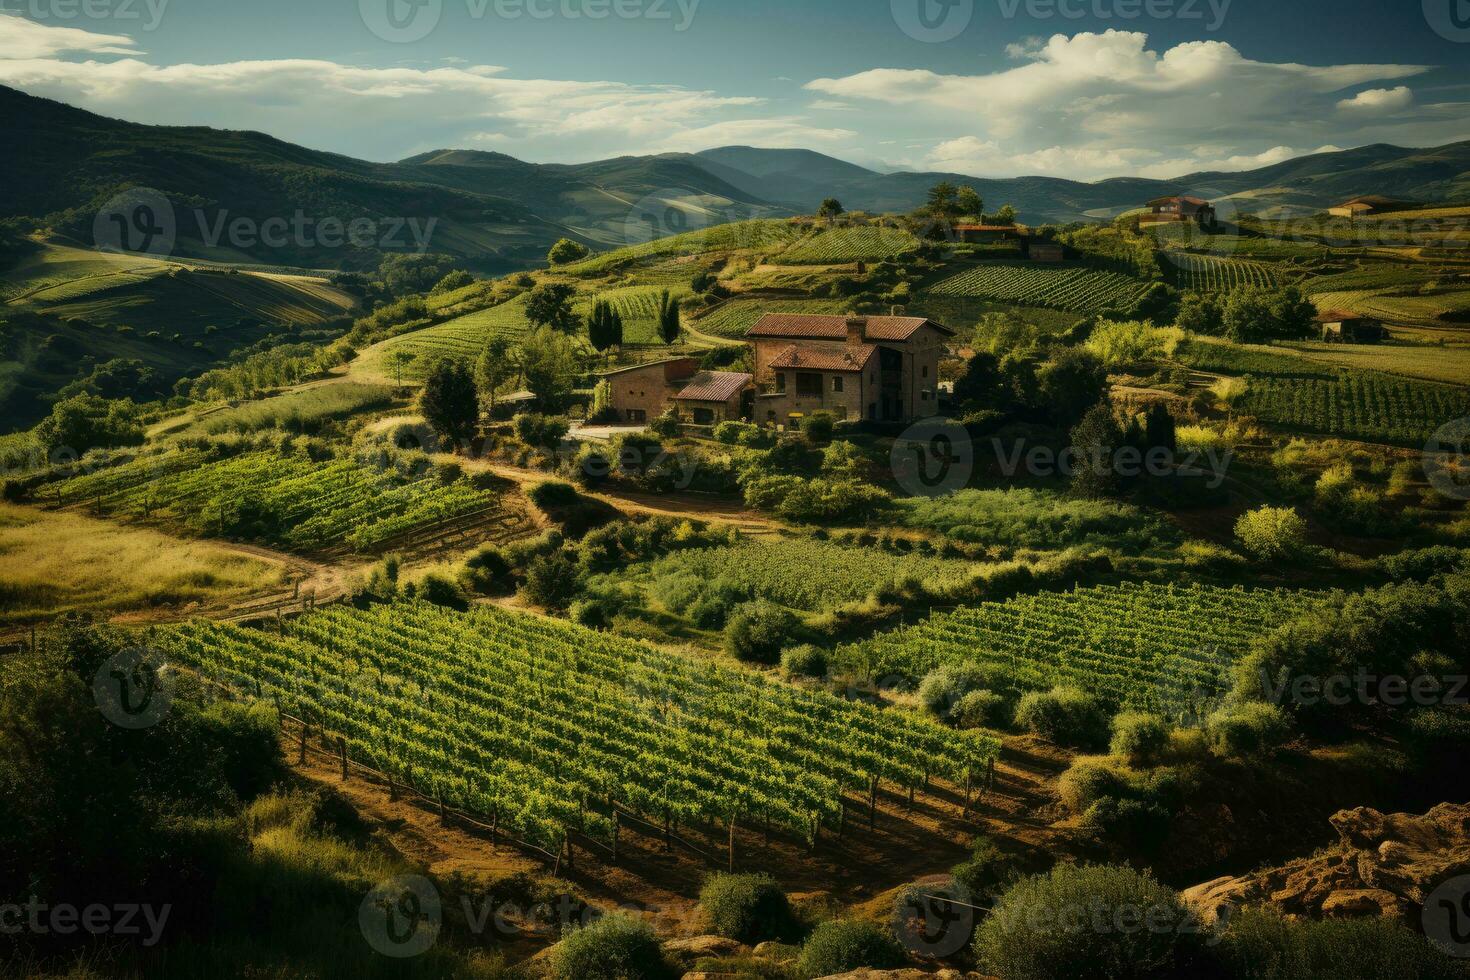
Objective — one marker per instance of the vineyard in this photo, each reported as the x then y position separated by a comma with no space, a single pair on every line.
639,308
545,728
734,318
1076,290
1142,645
289,500
462,339
837,246
760,233
811,575
1357,405
1214,274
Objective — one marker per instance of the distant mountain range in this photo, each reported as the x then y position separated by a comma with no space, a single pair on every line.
60,165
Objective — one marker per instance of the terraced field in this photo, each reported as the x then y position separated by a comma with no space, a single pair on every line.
1357,405
842,245
288,500
1434,308
758,234
462,338
1450,365
1163,648
1075,289
546,729
810,575
734,318
1214,274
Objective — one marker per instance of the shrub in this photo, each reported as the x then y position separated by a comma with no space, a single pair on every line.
1260,943
738,433
1088,780
757,632
441,590
552,581
842,945
488,572
817,427
986,872
804,661
666,425
1044,927
942,689
982,709
615,947
553,493
540,430
1273,533
1139,738
750,908
1248,730
1064,715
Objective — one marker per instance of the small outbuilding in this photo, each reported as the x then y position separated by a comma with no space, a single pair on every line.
1342,327
712,397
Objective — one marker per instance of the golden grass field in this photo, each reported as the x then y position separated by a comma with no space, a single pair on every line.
1448,364
58,562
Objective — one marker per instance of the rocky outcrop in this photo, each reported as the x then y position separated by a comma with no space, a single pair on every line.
1381,865
702,947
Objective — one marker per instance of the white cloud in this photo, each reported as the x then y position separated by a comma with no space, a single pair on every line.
1099,105
348,109
21,38
1376,100
830,105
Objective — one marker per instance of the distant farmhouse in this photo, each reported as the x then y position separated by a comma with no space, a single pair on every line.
1363,207
1033,248
855,368
1341,327
1178,210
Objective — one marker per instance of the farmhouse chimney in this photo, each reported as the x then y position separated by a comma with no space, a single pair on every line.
857,329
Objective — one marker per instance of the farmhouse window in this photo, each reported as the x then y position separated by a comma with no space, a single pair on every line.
837,384
637,415
781,382
808,385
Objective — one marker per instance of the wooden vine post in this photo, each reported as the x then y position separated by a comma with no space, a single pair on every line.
342,751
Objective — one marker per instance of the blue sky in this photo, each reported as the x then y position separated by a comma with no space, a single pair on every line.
1073,88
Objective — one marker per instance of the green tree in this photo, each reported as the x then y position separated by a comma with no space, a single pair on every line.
401,359
669,326
550,305
831,209
1273,533
449,402
969,203
458,279
401,274
604,326
1200,313
88,422
493,368
1072,383
551,364
1005,216
566,250
1095,443
942,203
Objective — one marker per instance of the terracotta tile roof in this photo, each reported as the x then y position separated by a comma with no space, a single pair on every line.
675,366
853,357
714,386
804,326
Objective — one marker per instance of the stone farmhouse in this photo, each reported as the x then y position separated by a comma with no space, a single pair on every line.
1179,210
855,368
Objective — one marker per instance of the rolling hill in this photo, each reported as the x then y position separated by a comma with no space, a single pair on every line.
498,213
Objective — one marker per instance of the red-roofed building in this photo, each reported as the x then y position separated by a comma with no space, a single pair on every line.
1180,209
878,368
713,396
